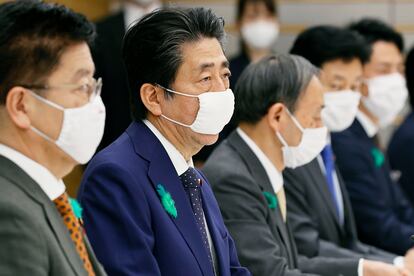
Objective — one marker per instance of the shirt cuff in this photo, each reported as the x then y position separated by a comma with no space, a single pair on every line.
361,267
399,262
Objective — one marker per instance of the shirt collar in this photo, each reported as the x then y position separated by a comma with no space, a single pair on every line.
370,128
133,12
50,185
179,163
275,177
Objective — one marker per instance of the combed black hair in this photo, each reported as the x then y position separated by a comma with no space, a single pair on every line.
241,6
374,30
152,50
274,79
33,36
322,44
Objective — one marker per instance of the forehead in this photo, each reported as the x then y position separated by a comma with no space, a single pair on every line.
75,61
387,52
340,68
206,51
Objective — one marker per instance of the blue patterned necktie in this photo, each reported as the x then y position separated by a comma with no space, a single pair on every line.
192,185
327,156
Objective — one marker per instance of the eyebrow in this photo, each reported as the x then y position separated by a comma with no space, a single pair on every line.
338,77
204,66
81,73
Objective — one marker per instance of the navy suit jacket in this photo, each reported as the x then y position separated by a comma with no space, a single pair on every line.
401,155
131,232
383,215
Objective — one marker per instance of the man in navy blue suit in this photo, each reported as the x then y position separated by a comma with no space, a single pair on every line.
401,147
383,214
146,209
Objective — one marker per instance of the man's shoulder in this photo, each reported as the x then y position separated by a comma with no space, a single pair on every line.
16,202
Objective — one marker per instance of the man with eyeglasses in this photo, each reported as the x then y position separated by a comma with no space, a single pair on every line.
51,119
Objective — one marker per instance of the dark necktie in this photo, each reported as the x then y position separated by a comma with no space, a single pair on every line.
192,185
327,156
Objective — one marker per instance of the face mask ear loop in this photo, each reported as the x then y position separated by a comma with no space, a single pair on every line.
41,134
295,121
281,139
52,104
178,93
174,121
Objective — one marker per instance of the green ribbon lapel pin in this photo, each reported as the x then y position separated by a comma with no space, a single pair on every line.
76,207
167,201
378,157
271,200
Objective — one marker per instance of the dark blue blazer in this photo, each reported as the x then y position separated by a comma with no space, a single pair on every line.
128,227
401,155
383,215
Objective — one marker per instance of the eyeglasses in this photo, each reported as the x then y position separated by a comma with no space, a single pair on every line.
92,89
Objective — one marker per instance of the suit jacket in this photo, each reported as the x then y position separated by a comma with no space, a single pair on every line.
401,155
118,194
34,240
315,224
107,55
383,215
264,242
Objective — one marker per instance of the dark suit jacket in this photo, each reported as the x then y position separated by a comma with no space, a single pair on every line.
107,55
383,215
265,243
127,224
401,155
313,218
33,238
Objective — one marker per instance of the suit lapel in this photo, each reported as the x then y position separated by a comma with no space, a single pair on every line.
162,172
13,173
259,174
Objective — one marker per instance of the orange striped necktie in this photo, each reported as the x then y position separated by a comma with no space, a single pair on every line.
75,231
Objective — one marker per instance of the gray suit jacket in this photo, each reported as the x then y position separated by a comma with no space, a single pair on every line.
265,244
314,222
33,238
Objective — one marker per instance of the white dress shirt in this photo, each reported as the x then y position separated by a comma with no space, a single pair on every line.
275,177
180,165
370,128
50,185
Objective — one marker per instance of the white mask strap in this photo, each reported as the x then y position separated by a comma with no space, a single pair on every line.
295,121
179,93
174,121
52,104
41,134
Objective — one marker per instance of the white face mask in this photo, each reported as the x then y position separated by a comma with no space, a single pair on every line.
216,109
312,143
387,97
340,109
261,34
82,129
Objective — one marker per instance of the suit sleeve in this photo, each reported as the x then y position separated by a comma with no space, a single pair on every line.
23,250
108,198
305,231
374,196
244,212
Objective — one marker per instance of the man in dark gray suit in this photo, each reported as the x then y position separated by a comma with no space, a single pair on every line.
278,108
51,118
319,209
